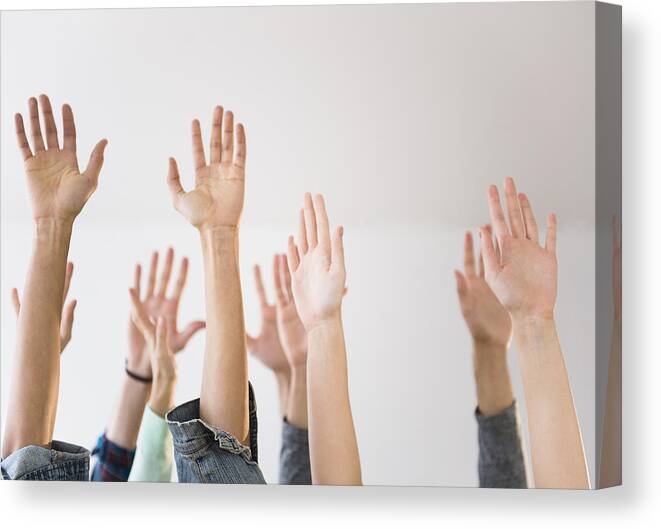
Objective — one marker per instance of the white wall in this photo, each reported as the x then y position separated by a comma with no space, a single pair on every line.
402,122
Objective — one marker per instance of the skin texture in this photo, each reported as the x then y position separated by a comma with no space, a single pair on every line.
156,303
68,310
318,276
214,207
294,342
266,346
161,355
524,278
610,470
490,327
58,191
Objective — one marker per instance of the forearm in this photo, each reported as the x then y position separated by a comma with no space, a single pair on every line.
125,423
610,470
492,378
558,458
283,381
333,448
224,394
36,372
297,405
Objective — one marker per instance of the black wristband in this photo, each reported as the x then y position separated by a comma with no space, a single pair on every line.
135,376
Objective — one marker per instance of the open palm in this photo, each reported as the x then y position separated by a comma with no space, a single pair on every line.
57,187
217,199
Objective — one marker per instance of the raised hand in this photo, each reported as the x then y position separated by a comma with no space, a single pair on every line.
290,328
524,275
157,303
58,190
161,356
317,266
488,321
217,200
66,324
266,347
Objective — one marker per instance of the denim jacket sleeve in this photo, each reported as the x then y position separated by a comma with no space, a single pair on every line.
294,456
59,462
501,462
154,453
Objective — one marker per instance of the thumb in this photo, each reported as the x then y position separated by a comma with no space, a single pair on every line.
95,163
189,331
15,301
67,324
174,183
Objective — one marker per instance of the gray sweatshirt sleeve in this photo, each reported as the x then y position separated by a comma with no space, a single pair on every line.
294,456
501,463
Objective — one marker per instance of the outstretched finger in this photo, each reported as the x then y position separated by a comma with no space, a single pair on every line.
22,139
198,148
140,317
166,273
310,222
93,169
532,232
259,284
323,228
240,150
49,121
497,216
227,150
491,263
66,327
15,301
69,126
302,236
181,279
277,280
137,276
216,134
469,256
293,258
174,183
337,252
151,280
37,140
551,231
286,276
514,209
67,281
462,284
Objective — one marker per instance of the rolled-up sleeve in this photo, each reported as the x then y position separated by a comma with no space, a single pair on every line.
154,453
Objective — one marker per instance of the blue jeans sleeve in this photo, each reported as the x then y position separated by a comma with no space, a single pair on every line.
501,463
206,454
294,456
60,462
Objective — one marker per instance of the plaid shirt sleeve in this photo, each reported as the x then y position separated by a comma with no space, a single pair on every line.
113,462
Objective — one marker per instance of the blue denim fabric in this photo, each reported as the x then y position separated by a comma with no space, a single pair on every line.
60,462
206,454
294,456
501,463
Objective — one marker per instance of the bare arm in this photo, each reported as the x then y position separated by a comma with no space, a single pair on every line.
318,279
523,275
490,326
267,347
156,302
58,192
214,207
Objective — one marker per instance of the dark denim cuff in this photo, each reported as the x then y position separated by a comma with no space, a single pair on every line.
114,462
294,456
191,434
60,462
293,435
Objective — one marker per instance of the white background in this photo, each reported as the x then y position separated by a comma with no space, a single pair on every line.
402,123
108,506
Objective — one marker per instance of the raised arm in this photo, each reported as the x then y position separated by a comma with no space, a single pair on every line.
266,346
58,191
524,278
501,462
318,279
68,310
214,207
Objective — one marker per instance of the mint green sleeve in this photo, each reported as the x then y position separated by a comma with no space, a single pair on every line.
154,453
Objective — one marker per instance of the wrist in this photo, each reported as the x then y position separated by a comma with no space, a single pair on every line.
489,355
530,319
299,372
52,227
222,232
331,323
160,401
